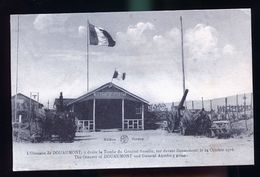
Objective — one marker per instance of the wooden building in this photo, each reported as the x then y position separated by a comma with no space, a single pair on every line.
24,108
109,107
28,118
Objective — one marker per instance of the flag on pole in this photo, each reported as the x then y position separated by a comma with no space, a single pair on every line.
99,36
118,75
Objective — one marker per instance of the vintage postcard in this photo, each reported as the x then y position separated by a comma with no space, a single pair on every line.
132,89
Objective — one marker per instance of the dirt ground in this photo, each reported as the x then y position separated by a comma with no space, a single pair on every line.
129,149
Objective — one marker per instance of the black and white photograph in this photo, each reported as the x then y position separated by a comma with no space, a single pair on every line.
132,89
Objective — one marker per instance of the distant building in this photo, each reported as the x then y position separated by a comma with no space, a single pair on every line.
57,104
108,107
24,107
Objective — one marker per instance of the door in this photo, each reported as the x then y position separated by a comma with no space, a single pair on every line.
108,114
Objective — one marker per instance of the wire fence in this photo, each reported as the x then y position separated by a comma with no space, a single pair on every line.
238,109
241,102
238,106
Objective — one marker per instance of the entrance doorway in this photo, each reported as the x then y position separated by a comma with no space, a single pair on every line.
108,114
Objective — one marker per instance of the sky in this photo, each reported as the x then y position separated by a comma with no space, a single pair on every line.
52,53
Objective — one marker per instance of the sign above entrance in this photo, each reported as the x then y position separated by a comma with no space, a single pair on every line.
109,95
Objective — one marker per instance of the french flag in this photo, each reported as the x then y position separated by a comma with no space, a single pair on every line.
99,36
118,75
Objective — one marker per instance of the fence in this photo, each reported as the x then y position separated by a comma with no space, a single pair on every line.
238,109
241,100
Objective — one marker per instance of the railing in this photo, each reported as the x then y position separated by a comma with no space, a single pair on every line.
133,124
85,125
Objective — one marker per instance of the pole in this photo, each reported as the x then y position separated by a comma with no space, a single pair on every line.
87,54
123,114
38,99
113,76
182,56
202,103
237,109
211,110
30,113
245,116
37,109
244,104
142,116
17,69
225,107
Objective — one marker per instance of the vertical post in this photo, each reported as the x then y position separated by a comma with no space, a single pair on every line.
123,114
30,112
87,54
237,106
17,69
94,114
211,110
38,94
244,104
192,104
114,75
225,107
245,110
142,116
202,103
182,56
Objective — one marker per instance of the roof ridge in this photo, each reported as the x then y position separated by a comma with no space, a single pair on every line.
26,97
104,86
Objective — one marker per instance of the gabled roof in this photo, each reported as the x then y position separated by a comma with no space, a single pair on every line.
20,94
109,84
65,101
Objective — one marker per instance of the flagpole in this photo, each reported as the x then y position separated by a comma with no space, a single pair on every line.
87,54
16,84
113,76
182,56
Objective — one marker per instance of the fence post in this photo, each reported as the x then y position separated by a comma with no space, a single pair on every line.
211,110
192,105
226,107
245,110
237,107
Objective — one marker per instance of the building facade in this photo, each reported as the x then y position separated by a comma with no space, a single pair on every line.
24,108
109,107
28,117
